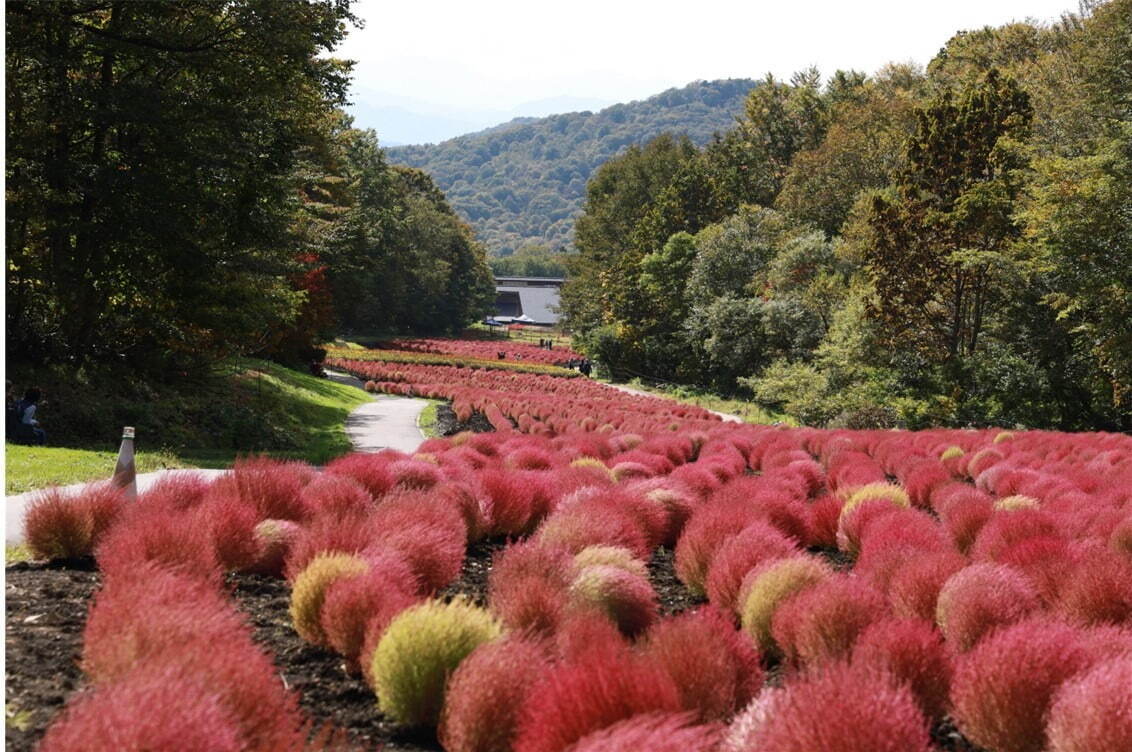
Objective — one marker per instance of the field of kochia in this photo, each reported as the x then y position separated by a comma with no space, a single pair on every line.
861,590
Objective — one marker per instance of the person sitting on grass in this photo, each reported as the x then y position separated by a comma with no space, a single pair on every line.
29,430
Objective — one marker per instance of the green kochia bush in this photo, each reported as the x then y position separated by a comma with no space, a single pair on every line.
419,651
309,591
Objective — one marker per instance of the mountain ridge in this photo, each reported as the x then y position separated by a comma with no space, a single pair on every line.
522,182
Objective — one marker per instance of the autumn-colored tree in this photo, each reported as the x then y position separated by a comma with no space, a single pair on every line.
939,249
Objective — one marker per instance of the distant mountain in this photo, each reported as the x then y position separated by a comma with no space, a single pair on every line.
401,120
523,182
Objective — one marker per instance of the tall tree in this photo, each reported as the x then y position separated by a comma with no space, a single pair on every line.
150,147
940,237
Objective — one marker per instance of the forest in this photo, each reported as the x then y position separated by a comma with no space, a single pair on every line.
522,183
943,246
183,186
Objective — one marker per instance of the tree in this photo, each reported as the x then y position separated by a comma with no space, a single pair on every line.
150,149
939,239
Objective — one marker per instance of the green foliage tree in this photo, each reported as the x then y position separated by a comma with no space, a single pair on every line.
149,155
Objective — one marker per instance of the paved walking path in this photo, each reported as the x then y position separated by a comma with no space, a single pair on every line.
384,423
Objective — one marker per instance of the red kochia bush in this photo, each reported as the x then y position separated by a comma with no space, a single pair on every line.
355,606
1007,527
431,537
913,651
371,470
715,667
1003,688
575,699
756,544
981,597
706,531
821,622
591,524
484,694
656,732
332,494
518,502
149,709
348,534
626,598
175,540
914,588
1093,711
530,603
1099,589
271,486
55,527
841,708
231,523
823,516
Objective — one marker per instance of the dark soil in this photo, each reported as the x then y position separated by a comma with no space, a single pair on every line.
46,611
448,425
47,608
673,596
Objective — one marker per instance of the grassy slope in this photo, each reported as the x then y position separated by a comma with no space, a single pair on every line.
309,411
748,411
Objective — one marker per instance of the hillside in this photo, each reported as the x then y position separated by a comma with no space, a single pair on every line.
523,182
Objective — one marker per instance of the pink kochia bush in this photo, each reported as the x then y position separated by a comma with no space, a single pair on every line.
822,622
625,597
913,651
1004,687
841,708
755,544
715,668
577,698
57,526
1093,711
981,597
485,693
180,712
656,732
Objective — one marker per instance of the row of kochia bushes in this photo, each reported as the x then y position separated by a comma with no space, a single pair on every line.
979,576
454,360
537,404
513,350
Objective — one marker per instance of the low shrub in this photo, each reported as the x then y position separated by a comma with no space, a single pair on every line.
370,470
1005,528
308,592
767,587
420,649
1098,589
1004,687
174,540
57,528
577,698
756,544
356,605
584,525
979,598
715,668
821,623
613,556
626,598
914,589
656,732
273,539
327,534
1092,711
842,708
484,694
336,495
704,535
824,514
913,651
180,712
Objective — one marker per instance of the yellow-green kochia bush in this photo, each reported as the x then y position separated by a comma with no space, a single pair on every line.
767,587
420,649
309,591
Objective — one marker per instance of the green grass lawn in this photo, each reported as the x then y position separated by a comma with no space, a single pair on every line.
427,420
750,412
309,411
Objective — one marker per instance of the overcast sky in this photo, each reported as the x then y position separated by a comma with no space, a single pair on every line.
497,54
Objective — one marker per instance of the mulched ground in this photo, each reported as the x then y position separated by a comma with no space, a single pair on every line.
47,606
448,425
46,611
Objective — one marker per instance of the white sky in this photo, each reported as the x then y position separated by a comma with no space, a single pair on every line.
500,53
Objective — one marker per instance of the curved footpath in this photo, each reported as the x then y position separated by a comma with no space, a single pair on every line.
384,423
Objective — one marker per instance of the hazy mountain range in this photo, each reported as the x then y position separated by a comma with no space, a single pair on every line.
523,181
